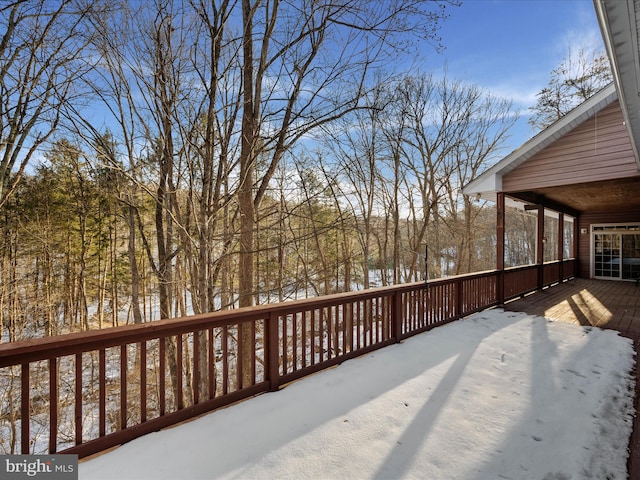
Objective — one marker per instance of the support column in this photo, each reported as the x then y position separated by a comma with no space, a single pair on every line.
560,247
540,247
500,209
574,249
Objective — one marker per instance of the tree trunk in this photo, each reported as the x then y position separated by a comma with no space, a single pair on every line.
133,263
245,193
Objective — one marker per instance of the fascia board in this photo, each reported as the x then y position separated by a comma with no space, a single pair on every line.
618,20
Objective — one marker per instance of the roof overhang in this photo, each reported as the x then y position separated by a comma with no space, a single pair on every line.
619,23
489,183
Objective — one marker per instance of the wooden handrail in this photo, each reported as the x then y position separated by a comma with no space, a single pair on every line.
14,353
88,391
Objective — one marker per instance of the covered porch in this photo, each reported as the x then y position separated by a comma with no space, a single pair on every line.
583,171
586,167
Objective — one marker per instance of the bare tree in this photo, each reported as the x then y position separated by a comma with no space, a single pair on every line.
139,79
436,115
41,57
115,90
359,146
486,131
313,61
306,64
211,143
578,77
443,133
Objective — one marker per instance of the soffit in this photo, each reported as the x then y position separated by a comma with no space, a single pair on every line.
605,196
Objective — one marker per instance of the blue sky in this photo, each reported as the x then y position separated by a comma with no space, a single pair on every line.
509,47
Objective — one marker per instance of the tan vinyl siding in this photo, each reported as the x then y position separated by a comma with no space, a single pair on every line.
598,149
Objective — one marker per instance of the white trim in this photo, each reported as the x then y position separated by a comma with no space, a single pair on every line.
624,226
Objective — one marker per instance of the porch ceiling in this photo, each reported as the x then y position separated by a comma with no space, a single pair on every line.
605,196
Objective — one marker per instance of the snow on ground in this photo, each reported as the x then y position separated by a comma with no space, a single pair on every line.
499,395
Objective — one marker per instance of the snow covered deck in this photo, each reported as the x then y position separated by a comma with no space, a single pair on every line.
497,395
552,358
602,303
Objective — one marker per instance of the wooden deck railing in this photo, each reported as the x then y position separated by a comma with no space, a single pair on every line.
85,392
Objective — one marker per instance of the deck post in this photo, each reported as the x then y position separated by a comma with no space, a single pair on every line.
500,211
25,411
560,247
396,316
574,249
272,352
460,298
540,247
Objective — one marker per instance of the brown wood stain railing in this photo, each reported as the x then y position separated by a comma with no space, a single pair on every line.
85,392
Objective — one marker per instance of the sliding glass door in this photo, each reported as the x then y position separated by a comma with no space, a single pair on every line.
616,252
607,255
631,256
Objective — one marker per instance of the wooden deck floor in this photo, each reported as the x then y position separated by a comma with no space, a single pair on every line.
602,303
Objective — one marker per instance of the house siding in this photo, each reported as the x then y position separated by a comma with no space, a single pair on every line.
584,240
598,149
